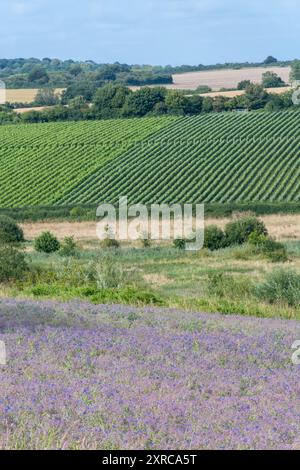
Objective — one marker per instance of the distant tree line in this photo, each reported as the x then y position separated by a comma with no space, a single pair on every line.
118,101
55,73
35,73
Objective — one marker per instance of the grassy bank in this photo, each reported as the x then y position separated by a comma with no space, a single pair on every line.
88,212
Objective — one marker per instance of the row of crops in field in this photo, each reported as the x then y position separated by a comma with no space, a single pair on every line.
226,157
39,163
214,158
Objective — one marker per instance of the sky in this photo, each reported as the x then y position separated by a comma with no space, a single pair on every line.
151,31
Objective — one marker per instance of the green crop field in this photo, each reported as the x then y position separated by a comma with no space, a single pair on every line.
226,157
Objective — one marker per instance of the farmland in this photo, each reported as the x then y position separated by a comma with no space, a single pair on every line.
217,79
226,157
87,377
26,95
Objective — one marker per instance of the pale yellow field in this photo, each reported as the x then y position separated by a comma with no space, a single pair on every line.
282,227
232,94
217,79
26,95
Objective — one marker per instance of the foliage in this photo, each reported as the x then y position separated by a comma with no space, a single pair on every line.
46,243
68,247
13,265
214,238
179,243
46,97
243,84
280,286
109,274
274,250
272,80
10,232
238,231
255,97
270,60
199,161
295,71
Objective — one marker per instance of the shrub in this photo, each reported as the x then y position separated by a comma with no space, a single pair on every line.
77,212
109,274
280,286
46,243
179,243
238,231
12,264
69,247
214,238
227,286
274,250
10,232
110,243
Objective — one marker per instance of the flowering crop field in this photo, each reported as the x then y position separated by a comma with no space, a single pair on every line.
112,377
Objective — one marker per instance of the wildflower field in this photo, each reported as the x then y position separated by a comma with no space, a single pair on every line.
80,376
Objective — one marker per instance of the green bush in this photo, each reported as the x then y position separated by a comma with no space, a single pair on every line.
110,243
280,286
68,247
226,286
78,212
46,243
273,250
13,265
179,243
10,232
214,238
238,231
109,274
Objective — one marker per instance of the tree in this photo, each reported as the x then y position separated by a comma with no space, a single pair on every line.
295,71
270,60
38,75
194,105
272,80
75,70
243,84
46,97
207,105
143,101
255,97
78,104
110,99
82,88
177,102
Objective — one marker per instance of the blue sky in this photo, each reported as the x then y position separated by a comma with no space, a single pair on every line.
150,31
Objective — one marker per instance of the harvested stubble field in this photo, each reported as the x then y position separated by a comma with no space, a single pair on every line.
217,79
232,94
26,95
114,377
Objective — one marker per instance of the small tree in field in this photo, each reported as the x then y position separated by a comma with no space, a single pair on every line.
46,243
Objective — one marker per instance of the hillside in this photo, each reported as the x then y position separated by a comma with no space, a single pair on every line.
224,157
224,78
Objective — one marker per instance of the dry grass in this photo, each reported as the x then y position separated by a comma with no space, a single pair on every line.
282,227
26,95
34,108
232,94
